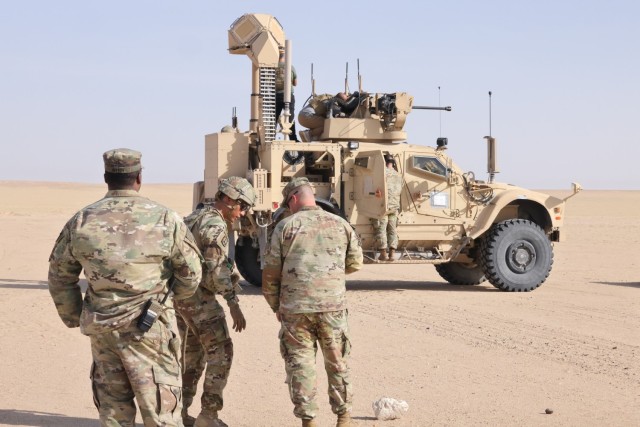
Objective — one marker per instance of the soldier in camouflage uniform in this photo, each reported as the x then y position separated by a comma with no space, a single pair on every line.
385,228
208,343
304,283
129,248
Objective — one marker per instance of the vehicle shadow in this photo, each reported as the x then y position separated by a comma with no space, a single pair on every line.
33,284
392,285
396,285
625,284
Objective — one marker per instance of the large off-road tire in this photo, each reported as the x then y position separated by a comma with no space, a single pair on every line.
516,255
248,261
458,273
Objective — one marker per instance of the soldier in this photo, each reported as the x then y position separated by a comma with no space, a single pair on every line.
314,113
130,248
386,227
280,77
304,283
208,343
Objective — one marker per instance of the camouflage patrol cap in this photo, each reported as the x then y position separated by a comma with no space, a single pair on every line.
238,189
291,186
122,160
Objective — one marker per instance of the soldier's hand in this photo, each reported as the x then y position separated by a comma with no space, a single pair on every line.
239,322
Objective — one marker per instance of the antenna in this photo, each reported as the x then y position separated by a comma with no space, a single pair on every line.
313,82
440,113
492,163
234,119
346,80
359,78
489,113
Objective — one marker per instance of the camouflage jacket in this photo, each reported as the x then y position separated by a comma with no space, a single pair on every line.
211,233
129,248
394,188
306,262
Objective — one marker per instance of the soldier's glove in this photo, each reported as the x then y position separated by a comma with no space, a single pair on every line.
239,322
235,282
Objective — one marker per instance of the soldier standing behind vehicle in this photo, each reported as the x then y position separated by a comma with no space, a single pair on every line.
304,283
280,77
208,343
130,248
386,227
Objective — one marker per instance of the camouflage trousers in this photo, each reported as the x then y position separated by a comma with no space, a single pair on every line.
208,349
129,363
300,335
386,230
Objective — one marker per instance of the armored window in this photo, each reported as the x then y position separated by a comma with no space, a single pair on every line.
363,162
429,164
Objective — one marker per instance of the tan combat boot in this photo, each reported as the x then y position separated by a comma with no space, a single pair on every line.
344,420
309,423
383,255
209,419
392,254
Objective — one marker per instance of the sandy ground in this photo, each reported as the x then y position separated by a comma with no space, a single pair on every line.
460,356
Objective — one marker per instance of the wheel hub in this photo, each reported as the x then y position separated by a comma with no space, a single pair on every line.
521,256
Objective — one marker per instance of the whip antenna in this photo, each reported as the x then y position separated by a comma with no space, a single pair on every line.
440,113
492,163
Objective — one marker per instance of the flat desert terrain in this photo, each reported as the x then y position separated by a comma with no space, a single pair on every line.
459,356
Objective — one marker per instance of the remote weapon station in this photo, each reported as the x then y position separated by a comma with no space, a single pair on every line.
470,230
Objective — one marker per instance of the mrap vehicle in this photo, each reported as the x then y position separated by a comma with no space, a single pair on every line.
470,230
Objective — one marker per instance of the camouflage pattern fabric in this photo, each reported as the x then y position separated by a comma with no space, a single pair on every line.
298,336
129,248
306,262
304,281
385,229
208,345
128,363
394,188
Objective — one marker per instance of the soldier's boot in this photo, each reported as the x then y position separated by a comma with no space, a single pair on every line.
187,419
344,420
392,254
209,419
309,423
383,255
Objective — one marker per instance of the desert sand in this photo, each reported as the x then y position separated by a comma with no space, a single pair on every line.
460,356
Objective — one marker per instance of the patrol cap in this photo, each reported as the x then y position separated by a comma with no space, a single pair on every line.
291,186
122,160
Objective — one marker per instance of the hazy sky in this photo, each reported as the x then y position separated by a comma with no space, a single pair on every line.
80,77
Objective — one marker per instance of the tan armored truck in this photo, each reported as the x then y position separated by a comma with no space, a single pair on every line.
470,230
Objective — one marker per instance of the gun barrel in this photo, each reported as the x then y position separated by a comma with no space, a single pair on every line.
422,107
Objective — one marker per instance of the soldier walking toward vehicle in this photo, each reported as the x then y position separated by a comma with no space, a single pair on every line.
130,249
386,227
304,283
208,343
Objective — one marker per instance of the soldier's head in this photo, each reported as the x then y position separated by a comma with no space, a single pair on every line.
235,197
389,161
122,169
298,193
227,129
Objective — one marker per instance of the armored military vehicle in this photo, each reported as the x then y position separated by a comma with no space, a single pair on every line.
469,229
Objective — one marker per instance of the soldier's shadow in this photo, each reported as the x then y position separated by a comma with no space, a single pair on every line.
17,417
396,285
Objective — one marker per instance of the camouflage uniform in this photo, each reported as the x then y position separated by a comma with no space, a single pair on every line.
129,248
208,343
280,77
385,228
304,280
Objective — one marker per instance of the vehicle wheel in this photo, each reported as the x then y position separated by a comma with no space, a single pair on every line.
516,255
248,261
458,273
